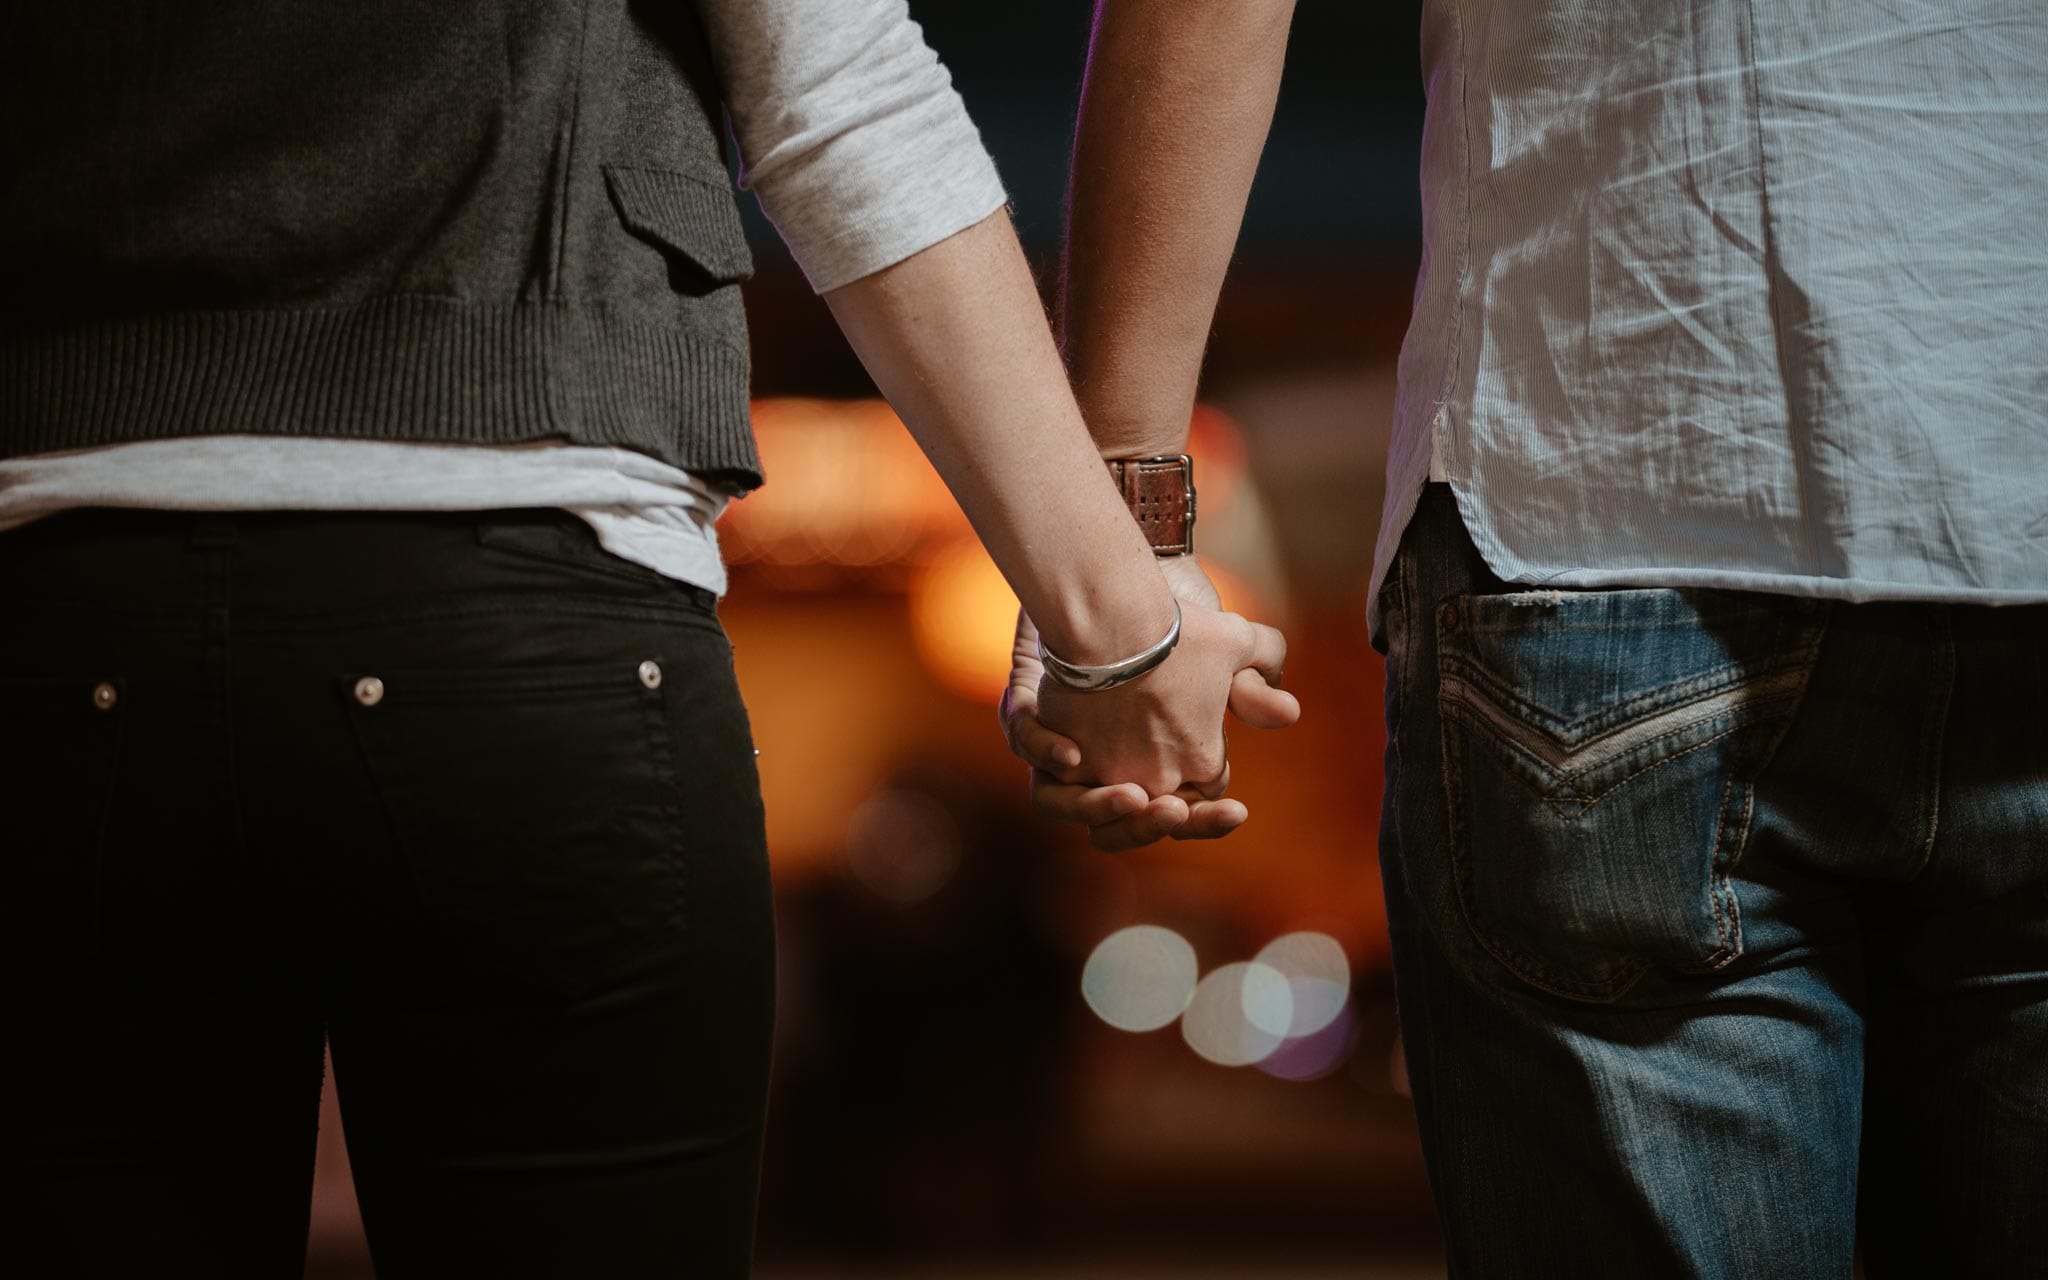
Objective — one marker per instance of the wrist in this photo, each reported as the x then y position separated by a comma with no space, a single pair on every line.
1126,427
1097,623
1139,441
1100,677
1159,493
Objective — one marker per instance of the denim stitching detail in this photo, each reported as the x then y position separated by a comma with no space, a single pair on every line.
1721,893
1654,765
1942,693
1721,900
1751,713
1518,962
1526,967
661,745
1677,693
103,821
1727,852
1757,709
1456,709
1809,652
1565,756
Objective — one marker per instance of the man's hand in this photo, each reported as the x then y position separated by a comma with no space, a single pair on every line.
1124,815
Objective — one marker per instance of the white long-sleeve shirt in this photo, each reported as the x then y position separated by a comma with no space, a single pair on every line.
861,153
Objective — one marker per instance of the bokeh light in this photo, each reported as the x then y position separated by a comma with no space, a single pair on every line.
851,489
1239,1014
1318,974
903,845
1140,978
963,620
1313,1056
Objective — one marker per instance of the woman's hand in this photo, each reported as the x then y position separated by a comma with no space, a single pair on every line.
1138,763
955,336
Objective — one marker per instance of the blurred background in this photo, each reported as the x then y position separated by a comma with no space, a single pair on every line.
1002,1054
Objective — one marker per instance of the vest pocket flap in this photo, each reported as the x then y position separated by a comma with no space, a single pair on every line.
688,216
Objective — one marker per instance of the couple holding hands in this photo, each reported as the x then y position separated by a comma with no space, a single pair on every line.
374,378
374,375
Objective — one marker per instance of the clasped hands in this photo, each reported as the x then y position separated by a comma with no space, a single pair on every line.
1149,759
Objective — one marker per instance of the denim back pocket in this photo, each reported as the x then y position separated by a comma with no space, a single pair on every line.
1600,751
58,767
537,811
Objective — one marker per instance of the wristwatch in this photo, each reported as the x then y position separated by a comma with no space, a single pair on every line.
1161,495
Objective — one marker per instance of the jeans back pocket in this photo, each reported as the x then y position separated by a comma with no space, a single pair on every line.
537,811
1600,751
58,767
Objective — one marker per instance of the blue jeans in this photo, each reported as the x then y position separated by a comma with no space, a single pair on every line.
1720,924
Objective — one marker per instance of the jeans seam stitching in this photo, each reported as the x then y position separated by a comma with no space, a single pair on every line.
1944,695
661,737
1721,894
1673,757
1747,716
1678,693
1728,854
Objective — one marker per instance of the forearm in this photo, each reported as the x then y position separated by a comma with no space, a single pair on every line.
954,336
1174,112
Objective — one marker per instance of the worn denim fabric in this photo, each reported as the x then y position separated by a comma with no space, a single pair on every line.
1720,924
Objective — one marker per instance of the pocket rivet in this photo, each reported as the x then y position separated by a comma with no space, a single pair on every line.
104,696
369,691
650,674
1447,617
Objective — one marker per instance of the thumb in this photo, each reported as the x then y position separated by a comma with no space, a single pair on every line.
1033,743
1255,694
1029,740
1268,652
1259,704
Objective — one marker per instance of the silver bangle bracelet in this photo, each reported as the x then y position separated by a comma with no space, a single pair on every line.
1110,674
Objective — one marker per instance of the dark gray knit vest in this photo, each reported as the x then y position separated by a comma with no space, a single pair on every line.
460,221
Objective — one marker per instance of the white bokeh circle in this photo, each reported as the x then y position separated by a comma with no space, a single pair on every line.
1239,1014
1318,974
1140,978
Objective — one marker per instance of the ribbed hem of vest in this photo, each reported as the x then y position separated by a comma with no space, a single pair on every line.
396,368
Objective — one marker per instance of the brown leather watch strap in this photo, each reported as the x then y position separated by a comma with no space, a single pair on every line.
1161,495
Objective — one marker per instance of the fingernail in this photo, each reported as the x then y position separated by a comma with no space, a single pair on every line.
1123,803
1067,756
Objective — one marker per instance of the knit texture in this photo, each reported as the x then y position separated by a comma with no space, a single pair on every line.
423,224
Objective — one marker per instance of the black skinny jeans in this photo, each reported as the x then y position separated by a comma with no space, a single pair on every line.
464,796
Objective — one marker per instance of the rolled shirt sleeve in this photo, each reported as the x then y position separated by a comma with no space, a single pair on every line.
850,131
